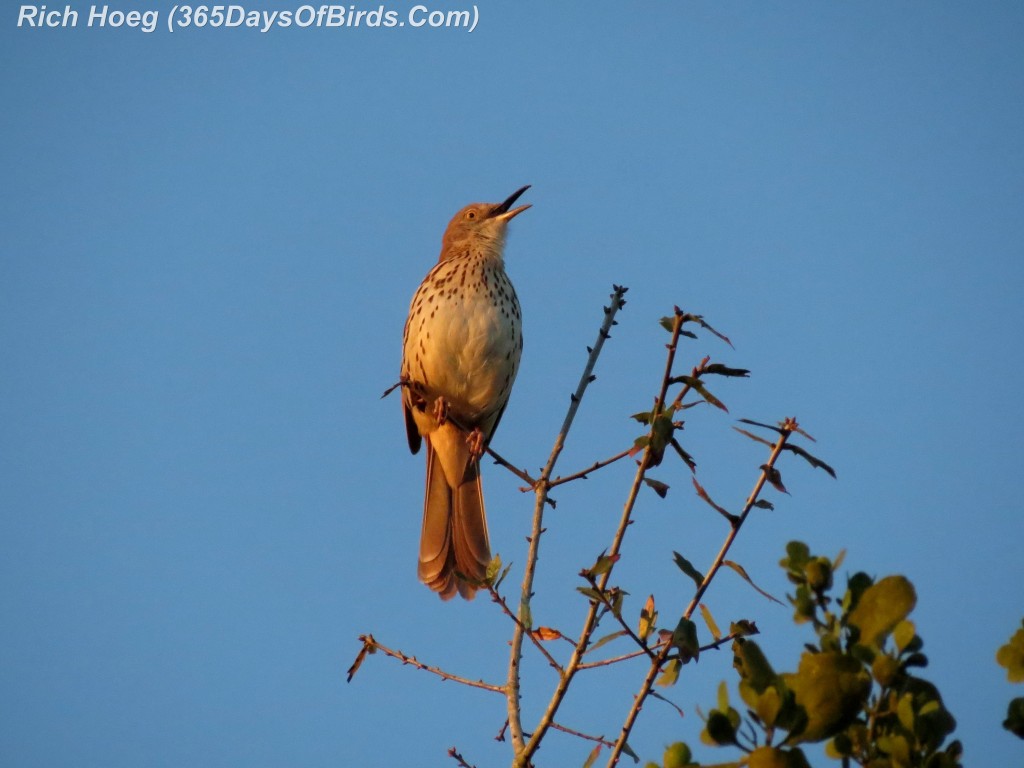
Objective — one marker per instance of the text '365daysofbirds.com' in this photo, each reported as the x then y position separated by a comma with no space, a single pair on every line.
235,16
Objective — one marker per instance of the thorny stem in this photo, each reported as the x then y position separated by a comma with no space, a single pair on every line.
713,646
606,601
372,645
590,622
522,750
454,753
519,624
787,428
592,468
571,732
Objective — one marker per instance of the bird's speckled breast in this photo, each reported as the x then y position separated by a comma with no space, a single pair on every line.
463,338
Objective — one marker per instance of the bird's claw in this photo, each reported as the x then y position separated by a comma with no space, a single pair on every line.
440,411
475,441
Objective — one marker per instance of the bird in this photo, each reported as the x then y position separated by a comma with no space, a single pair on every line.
462,343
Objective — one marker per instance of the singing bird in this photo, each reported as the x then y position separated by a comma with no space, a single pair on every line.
462,343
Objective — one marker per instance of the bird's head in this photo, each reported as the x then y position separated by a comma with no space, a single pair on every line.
482,224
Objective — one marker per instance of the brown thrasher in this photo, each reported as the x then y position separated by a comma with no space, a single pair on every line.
462,343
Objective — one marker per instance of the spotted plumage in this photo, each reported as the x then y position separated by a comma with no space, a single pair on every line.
462,343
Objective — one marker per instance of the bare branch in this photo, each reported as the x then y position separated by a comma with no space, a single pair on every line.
371,645
542,486
606,601
593,468
572,732
459,758
524,755
786,428
519,624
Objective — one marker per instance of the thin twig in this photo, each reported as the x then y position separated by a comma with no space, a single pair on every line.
788,426
712,646
459,758
590,622
572,732
696,373
618,617
508,612
593,468
373,645
522,474
512,687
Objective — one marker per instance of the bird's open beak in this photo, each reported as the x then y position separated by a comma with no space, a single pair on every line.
501,211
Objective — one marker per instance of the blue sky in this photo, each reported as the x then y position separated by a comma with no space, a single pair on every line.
210,239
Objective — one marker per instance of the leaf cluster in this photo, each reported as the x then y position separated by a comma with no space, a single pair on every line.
1011,656
856,688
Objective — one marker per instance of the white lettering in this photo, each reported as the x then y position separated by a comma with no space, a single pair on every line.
38,16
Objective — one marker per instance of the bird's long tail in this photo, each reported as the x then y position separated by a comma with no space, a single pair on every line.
454,537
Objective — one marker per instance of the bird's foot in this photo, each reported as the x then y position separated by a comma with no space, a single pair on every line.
475,441
440,411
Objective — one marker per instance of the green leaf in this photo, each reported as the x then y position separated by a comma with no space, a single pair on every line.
764,504
501,578
630,752
648,617
686,567
644,417
669,674
591,593
684,637
698,386
721,370
754,437
677,755
603,564
686,457
812,460
830,688
1014,721
1011,656
752,665
773,476
903,633
704,495
797,556
740,570
710,621
882,606
659,487
606,639
905,711
720,729
742,628
723,697
493,568
761,424
525,616
767,706
704,325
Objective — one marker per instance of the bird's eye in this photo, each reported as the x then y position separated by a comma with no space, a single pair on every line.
470,215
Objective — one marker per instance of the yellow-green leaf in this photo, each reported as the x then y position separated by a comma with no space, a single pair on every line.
1011,656
648,616
882,606
710,621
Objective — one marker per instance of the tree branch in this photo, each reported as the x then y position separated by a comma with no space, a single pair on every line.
788,427
542,487
371,645
524,755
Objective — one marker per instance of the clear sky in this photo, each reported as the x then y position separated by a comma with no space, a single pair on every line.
208,242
